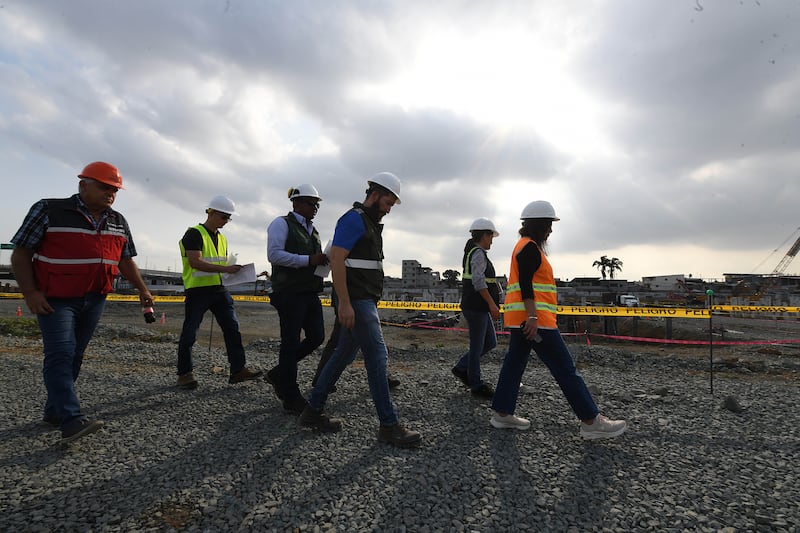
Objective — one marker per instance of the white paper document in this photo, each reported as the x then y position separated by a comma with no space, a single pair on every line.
323,270
247,274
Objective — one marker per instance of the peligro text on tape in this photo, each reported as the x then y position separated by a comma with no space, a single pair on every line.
454,307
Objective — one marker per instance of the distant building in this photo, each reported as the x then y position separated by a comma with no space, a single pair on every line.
672,282
416,276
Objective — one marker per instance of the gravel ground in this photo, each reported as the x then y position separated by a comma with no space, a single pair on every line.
226,457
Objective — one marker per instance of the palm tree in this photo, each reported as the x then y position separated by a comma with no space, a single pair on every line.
602,265
608,265
614,264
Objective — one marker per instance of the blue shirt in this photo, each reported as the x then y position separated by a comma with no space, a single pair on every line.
349,230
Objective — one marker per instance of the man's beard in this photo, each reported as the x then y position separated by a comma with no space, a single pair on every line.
374,213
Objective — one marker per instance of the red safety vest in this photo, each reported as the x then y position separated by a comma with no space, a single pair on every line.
74,258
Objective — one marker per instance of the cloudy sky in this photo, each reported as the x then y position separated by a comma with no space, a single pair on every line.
665,134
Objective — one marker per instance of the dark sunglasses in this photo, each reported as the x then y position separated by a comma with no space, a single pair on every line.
226,216
312,203
104,187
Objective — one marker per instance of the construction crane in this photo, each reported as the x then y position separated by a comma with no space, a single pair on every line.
784,263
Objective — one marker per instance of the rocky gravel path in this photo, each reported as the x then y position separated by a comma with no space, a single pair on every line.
225,457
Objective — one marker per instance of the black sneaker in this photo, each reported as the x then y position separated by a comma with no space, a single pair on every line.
319,421
461,374
295,405
272,379
484,391
78,429
52,421
399,436
392,381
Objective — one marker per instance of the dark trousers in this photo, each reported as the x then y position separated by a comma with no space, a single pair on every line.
298,312
221,306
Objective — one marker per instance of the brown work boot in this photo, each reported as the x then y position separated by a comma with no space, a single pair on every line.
186,381
245,374
319,421
399,436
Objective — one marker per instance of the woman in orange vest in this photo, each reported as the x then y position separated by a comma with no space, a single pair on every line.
530,316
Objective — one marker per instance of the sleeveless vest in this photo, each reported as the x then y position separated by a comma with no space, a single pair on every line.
298,241
193,278
74,258
544,292
470,298
365,262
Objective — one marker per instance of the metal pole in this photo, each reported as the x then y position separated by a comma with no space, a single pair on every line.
710,295
210,332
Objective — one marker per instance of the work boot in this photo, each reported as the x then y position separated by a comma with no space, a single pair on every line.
187,381
51,420
319,421
245,374
484,391
296,405
461,374
272,379
399,436
79,428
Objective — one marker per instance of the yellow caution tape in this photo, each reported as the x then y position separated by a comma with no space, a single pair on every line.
453,307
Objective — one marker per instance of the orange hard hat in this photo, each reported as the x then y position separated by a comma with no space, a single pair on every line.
102,172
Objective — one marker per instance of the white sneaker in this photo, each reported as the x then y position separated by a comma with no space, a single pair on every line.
603,428
509,422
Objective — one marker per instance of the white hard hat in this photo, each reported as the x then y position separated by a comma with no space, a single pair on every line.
388,181
306,190
539,209
223,204
484,224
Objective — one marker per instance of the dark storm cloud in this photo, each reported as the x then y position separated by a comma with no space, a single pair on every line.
697,102
433,145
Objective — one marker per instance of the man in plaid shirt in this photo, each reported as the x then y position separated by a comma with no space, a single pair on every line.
67,254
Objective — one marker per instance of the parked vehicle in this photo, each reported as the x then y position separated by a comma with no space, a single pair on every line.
627,300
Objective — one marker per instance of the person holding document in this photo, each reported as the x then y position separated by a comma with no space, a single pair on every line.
295,251
204,252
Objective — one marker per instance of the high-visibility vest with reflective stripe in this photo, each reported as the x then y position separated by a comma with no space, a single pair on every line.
193,278
364,263
470,298
544,292
74,258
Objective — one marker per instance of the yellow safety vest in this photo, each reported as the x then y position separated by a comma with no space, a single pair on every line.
193,278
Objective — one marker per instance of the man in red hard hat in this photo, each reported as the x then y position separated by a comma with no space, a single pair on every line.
67,254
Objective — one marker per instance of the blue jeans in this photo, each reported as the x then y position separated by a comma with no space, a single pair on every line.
65,334
482,339
367,336
555,355
297,311
221,305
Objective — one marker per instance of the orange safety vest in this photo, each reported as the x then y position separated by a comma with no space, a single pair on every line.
544,292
